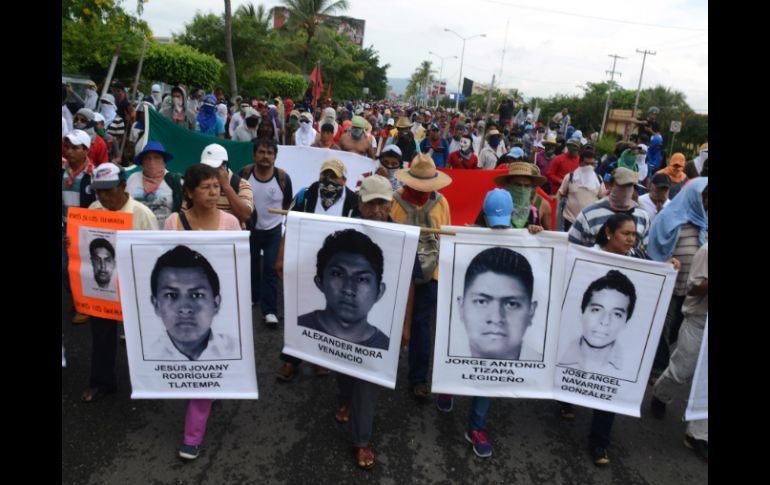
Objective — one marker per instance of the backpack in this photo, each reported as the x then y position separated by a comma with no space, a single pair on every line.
244,174
428,244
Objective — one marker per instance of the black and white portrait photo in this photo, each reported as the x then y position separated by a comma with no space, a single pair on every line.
186,305
97,270
346,285
349,269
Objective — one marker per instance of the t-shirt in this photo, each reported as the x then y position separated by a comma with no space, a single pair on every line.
378,341
578,198
143,218
161,202
216,129
699,271
648,205
267,195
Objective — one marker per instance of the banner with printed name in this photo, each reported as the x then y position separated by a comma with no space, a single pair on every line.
186,298
499,303
345,288
698,403
92,272
613,312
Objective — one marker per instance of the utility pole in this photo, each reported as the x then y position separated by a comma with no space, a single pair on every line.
489,97
639,88
609,91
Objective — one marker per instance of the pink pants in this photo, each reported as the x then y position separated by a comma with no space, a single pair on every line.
198,411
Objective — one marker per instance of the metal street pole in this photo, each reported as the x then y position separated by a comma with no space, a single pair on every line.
462,58
441,72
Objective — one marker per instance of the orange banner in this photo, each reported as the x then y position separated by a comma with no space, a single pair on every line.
92,265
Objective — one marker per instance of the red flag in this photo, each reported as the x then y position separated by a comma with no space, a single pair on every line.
318,85
329,93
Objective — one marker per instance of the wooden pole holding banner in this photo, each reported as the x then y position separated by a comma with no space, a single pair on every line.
127,123
422,229
108,79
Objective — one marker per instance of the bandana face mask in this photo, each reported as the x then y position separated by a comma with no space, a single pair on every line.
357,133
330,192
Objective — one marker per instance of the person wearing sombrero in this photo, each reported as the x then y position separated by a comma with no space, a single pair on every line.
404,140
520,182
156,187
488,156
545,152
418,203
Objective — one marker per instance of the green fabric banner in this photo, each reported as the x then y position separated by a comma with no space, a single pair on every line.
187,146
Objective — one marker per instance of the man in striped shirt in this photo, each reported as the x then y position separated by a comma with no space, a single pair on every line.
590,220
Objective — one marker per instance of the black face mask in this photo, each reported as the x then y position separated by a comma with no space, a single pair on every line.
252,122
330,192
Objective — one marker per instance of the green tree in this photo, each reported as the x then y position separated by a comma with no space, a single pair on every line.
420,78
176,63
308,16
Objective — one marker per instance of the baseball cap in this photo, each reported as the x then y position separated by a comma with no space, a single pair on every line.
98,118
434,126
335,165
642,148
110,99
390,122
307,116
375,187
214,155
661,180
624,176
516,152
358,122
498,207
108,176
79,137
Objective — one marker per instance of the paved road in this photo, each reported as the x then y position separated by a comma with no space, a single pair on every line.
289,436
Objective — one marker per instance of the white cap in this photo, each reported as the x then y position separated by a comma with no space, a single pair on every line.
109,98
98,118
79,137
214,155
642,147
107,176
156,88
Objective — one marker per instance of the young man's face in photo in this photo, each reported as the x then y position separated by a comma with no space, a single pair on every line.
104,264
496,310
186,303
604,317
350,286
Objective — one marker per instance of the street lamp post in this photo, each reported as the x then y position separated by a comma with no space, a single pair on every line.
462,58
441,70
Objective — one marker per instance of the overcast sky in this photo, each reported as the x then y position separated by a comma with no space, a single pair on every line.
552,47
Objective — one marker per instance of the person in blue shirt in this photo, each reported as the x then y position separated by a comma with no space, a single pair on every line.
437,148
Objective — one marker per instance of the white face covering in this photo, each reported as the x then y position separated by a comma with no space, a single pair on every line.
641,162
586,177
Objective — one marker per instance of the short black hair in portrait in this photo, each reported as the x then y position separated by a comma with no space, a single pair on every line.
184,257
502,261
100,242
613,280
354,242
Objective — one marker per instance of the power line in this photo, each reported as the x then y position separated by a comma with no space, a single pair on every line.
593,17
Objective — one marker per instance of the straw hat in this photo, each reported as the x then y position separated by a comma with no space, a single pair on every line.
520,169
422,175
403,122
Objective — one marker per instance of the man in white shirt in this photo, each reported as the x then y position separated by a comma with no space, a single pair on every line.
654,201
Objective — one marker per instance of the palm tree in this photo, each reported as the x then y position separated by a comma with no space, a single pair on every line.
258,15
229,49
308,15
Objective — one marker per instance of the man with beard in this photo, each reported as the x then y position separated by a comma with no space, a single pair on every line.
356,141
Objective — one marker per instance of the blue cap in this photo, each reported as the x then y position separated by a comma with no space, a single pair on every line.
516,152
498,207
434,126
153,146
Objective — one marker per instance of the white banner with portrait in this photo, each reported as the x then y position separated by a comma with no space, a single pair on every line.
303,164
186,300
698,404
345,288
498,312
613,312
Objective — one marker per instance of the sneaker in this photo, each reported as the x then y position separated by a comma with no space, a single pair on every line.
658,408
189,452
286,372
79,318
445,403
481,446
701,447
421,391
566,410
271,320
600,456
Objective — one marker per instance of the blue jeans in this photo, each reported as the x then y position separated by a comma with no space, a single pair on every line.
104,349
264,283
674,320
477,418
420,344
